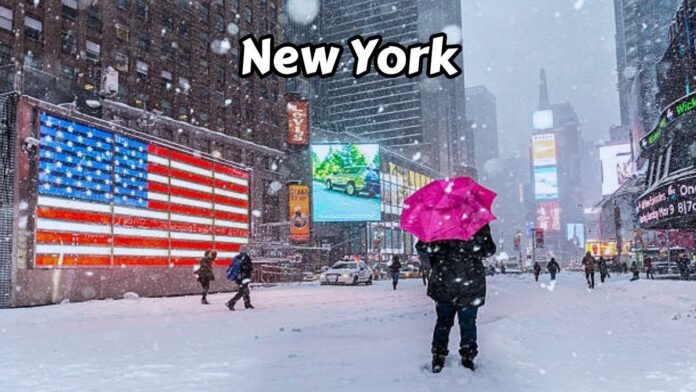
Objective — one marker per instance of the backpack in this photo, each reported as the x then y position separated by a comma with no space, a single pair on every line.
234,269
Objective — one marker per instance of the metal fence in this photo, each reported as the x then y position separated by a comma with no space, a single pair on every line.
7,173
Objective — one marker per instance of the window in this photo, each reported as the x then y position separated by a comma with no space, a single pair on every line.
166,21
166,79
122,32
121,62
68,72
219,23
203,13
143,10
141,99
123,4
234,4
143,41
220,74
184,85
204,39
166,50
184,57
122,91
204,94
70,9
183,113
6,18
33,28
91,77
68,42
94,17
93,50
166,107
203,66
5,55
247,14
183,29
183,3
141,70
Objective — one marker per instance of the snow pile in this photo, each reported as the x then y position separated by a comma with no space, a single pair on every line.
131,296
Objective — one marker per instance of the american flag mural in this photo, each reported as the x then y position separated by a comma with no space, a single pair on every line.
105,199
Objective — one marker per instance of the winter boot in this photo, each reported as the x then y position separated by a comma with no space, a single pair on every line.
439,357
250,306
230,305
204,301
468,356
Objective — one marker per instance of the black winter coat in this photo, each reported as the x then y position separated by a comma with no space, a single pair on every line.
205,272
457,273
395,266
553,266
245,270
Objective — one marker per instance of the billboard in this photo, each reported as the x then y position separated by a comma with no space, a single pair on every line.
548,216
111,199
601,249
346,183
545,183
542,119
616,166
298,205
298,122
544,149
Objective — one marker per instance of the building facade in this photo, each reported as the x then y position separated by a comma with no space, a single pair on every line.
482,112
416,117
642,34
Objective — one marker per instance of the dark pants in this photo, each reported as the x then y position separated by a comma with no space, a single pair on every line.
553,275
589,275
243,292
636,276
649,274
425,274
536,276
467,329
206,287
395,279
602,276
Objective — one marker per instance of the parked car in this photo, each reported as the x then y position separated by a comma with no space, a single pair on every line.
347,272
310,277
663,267
355,180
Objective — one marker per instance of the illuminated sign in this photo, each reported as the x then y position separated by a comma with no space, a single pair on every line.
298,204
346,183
601,249
548,216
542,119
298,122
616,166
679,108
668,202
545,183
544,149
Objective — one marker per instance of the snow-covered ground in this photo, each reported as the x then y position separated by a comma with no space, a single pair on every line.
623,336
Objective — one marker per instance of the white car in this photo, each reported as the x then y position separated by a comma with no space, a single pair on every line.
347,272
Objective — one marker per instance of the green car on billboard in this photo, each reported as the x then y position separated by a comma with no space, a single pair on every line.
354,180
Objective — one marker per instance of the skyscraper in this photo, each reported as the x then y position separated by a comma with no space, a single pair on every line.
417,117
642,35
481,110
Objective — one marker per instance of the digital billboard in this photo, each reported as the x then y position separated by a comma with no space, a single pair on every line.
549,216
544,150
616,166
542,119
545,183
346,183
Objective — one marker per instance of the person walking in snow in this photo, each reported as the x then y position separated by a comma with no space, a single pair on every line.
625,267
649,274
537,271
424,266
553,268
589,263
458,287
243,280
635,271
603,270
395,270
205,273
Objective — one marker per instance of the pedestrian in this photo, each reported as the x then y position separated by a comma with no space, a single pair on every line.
635,271
553,268
205,273
649,273
458,287
603,270
589,262
394,270
537,271
625,267
683,265
243,279
502,268
424,258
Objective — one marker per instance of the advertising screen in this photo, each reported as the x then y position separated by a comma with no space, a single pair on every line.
549,216
544,150
346,183
298,204
576,232
545,183
110,199
616,166
542,119
601,249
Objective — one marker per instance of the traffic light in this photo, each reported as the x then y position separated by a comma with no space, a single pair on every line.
539,238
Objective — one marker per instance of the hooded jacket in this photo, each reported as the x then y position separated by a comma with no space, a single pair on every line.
457,274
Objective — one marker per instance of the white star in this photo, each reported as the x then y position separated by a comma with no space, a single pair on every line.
80,139
90,149
99,172
48,154
59,149
99,144
70,129
89,163
79,168
141,149
98,187
70,159
49,123
47,186
90,134
68,189
89,178
70,143
60,164
69,174
89,193
59,181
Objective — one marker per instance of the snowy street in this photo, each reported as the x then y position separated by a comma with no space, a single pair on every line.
621,337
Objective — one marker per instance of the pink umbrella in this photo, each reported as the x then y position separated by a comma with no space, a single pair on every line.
452,209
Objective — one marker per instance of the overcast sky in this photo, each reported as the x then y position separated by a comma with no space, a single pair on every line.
506,42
